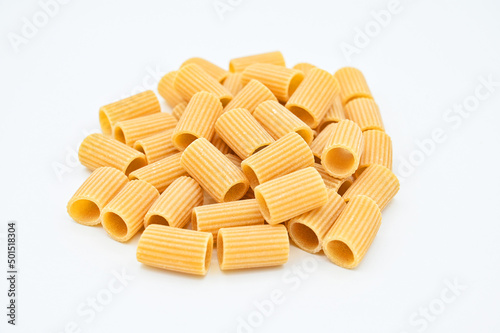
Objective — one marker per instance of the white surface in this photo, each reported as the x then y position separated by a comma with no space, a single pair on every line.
443,225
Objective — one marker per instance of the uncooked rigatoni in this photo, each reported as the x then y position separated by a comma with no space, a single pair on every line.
250,96
156,146
352,84
377,150
365,113
239,64
233,83
212,69
129,131
167,91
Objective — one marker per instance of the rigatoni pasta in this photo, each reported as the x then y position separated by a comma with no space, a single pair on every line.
156,146
213,70
340,185
129,131
233,83
319,142
365,113
304,67
239,64
220,144
334,114
167,91
178,110
250,96
377,150
352,84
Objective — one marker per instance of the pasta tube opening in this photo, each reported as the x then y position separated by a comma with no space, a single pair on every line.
304,236
157,219
340,161
135,164
105,123
264,209
302,114
114,224
340,252
235,192
183,140
84,211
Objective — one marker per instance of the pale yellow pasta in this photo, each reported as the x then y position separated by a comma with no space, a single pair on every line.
124,215
174,206
233,83
242,132
98,150
288,154
157,146
175,249
167,91
344,147
280,80
304,67
220,144
198,120
337,184
291,195
365,113
129,131
319,142
178,110
235,159
192,79
239,64
139,105
279,121
103,185
352,234
211,218
313,97
252,247
250,96
376,182
309,229
352,84
334,114
162,173
214,171
378,150
213,70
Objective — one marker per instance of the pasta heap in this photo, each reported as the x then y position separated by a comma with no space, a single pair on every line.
249,158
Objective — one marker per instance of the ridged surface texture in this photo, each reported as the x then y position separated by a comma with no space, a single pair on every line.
304,67
220,144
352,84
319,142
334,114
365,113
377,150
252,94
157,146
330,182
239,64
212,69
233,83
178,110
167,91
129,131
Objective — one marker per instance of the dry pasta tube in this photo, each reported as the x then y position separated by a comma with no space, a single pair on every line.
175,249
319,142
309,229
235,159
313,97
239,64
213,70
252,246
336,184
192,79
123,216
214,171
304,67
250,96
157,146
288,154
376,182
233,83
103,184
220,144
178,110
352,234
352,84
162,173
342,152
334,114
378,150
167,91
365,113
198,120
291,195
174,206
129,131
280,80
98,150
279,121
139,105
211,218
242,132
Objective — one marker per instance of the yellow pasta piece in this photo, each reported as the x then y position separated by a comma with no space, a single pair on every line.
174,206
214,171
288,154
103,184
376,182
378,150
250,96
342,152
178,110
319,142
252,246
279,121
162,173
242,132
129,131
304,67
220,144
139,105
235,159
334,114
167,91
336,184
213,70
198,120
239,64
291,195
233,83
211,218
280,80
352,234
98,150
365,113
123,216
157,146
309,229
176,249
352,84
192,79
313,97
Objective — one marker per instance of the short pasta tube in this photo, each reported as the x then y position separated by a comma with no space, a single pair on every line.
142,104
220,144
174,206
313,97
309,229
233,83
175,249
178,110
213,171
304,67
156,146
352,84
212,69
242,132
291,195
338,185
365,113
280,80
279,121
334,114
124,215
377,150
250,96
252,247
239,64
103,185
198,120
319,142
98,150
167,91
129,131
342,152
352,234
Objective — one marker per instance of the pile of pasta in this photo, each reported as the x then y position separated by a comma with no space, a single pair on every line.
251,158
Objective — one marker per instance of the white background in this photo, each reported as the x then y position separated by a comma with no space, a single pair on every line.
443,227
